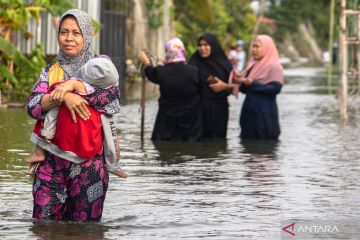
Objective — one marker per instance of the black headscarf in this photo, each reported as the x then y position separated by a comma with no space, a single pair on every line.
217,64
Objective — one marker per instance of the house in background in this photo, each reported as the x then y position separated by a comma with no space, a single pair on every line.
124,31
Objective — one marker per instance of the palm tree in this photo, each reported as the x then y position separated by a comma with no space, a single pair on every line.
15,16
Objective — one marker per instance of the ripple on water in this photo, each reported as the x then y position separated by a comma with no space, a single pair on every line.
216,190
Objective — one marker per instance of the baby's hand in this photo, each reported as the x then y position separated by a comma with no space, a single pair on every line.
57,95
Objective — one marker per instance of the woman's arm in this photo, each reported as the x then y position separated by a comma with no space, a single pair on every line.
63,94
76,105
246,83
273,87
151,74
101,99
39,100
70,85
220,86
47,103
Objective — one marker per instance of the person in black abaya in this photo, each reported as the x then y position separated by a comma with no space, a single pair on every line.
213,66
179,116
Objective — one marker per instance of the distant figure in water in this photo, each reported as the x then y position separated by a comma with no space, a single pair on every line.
241,54
261,81
179,116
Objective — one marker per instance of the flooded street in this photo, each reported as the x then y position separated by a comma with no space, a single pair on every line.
217,190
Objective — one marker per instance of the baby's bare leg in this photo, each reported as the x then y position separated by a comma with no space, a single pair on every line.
37,156
121,173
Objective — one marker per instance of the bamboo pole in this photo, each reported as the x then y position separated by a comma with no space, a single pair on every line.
358,51
143,99
331,43
343,63
355,5
153,60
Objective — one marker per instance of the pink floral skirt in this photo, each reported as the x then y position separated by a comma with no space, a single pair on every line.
66,191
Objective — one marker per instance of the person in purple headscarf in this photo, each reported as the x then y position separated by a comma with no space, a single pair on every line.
179,116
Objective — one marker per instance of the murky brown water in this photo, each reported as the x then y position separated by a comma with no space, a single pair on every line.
218,190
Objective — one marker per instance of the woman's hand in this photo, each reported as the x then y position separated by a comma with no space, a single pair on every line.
57,95
248,81
76,104
144,59
238,77
47,104
220,86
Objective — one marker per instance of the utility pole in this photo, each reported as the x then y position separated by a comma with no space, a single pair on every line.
331,43
343,63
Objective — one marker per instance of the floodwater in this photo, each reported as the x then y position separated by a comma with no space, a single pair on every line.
217,190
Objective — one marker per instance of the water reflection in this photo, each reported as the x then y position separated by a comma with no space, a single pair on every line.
15,128
181,152
71,231
262,172
196,163
261,148
220,189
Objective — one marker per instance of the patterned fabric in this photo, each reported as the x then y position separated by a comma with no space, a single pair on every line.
174,51
53,204
103,100
56,74
70,192
72,64
41,87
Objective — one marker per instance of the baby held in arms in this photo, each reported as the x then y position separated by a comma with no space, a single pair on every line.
98,73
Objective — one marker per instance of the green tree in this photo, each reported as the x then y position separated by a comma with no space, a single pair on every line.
228,19
289,14
18,72
154,10
242,20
